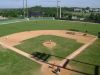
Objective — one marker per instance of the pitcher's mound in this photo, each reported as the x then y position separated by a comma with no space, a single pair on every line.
49,44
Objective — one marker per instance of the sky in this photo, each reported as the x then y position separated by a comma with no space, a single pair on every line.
50,3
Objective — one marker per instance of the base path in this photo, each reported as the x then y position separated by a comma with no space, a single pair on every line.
20,52
76,52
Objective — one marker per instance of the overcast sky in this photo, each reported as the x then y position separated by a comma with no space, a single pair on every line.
51,3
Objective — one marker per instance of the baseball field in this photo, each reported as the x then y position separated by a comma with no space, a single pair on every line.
66,39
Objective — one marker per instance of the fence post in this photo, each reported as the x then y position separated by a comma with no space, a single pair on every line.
96,71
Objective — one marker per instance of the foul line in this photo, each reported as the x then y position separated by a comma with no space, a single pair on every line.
22,20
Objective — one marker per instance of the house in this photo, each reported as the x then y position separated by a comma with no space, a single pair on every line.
2,18
74,17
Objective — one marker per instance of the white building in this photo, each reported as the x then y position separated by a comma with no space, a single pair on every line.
3,18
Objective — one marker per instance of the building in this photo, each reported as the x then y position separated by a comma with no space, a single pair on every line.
3,18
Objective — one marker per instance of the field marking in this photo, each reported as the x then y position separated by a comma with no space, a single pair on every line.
22,20
77,52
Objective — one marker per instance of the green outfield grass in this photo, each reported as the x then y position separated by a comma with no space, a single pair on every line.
90,55
51,24
15,64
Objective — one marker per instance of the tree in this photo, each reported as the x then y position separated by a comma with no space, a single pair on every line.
70,17
92,16
87,8
97,18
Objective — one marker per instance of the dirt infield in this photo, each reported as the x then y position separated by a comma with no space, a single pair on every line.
17,38
10,41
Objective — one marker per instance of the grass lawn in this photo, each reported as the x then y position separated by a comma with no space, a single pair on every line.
50,24
63,48
90,55
15,64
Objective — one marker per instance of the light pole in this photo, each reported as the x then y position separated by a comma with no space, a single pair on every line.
26,9
60,11
58,7
23,8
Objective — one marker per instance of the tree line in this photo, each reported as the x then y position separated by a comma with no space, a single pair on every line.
67,13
